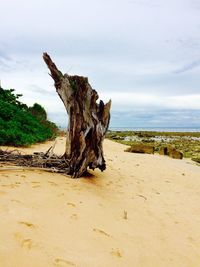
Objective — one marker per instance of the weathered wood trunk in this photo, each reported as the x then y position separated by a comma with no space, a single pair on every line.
88,120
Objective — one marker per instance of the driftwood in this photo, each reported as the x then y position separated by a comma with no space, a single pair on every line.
88,121
39,160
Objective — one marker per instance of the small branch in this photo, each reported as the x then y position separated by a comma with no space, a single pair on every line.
142,197
39,160
55,73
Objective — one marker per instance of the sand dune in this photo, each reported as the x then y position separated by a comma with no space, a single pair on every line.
144,210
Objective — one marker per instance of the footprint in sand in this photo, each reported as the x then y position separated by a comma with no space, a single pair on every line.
61,195
71,204
116,253
9,185
100,232
74,216
27,243
60,262
155,191
15,200
30,225
52,183
24,242
36,186
125,215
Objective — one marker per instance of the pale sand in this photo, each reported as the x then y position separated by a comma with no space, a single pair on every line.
143,211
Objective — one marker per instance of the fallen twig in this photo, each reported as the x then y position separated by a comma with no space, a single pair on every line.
44,161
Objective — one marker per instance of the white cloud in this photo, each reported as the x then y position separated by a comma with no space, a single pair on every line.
139,53
128,101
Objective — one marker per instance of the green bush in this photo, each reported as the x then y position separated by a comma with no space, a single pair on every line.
38,111
20,125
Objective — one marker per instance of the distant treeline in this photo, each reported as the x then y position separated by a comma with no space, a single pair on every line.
20,124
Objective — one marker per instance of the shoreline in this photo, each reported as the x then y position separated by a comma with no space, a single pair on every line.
156,129
188,143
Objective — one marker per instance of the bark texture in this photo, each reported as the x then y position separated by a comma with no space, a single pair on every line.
88,120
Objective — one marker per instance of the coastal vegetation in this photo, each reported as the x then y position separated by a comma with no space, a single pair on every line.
186,142
21,125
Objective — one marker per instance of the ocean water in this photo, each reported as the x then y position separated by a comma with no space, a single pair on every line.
157,129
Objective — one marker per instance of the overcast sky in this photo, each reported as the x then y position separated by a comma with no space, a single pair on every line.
143,54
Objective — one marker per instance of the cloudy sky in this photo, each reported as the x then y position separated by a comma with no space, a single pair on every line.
143,54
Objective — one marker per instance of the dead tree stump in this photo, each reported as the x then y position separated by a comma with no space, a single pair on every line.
88,120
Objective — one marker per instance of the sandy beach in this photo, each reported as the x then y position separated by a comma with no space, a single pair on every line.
143,211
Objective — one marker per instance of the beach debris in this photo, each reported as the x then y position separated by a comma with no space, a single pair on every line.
171,152
142,197
88,121
45,161
141,148
100,231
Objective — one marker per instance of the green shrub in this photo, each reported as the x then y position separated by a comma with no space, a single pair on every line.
20,125
38,111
